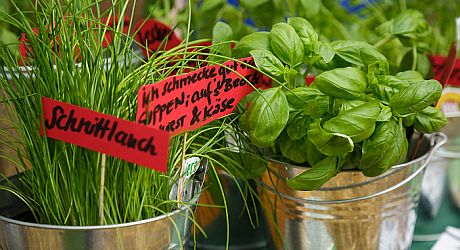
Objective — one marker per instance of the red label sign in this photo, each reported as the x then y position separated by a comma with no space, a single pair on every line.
155,35
186,102
106,134
438,63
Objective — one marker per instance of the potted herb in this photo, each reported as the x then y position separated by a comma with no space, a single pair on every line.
67,194
346,139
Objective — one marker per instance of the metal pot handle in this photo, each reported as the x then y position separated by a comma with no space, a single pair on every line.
437,140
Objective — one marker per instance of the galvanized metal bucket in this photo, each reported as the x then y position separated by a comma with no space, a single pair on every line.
168,231
350,211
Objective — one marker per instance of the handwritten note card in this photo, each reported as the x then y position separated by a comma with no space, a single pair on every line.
106,134
186,102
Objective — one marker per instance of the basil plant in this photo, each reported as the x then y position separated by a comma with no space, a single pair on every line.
353,116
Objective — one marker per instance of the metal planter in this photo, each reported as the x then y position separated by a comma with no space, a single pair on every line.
168,231
350,211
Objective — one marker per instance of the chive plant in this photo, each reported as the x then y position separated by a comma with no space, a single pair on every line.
59,181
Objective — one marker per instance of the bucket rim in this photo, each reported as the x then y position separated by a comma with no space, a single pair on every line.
447,154
96,227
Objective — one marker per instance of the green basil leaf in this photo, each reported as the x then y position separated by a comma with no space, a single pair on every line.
254,41
345,105
358,123
429,120
410,23
416,97
293,150
267,62
309,100
309,8
316,107
313,155
286,44
325,50
423,64
298,97
346,83
221,34
361,54
410,75
297,128
266,117
386,147
305,30
385,114
387,87
316,176
330,144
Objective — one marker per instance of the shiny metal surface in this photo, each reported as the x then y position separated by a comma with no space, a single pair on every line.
450,156
350,211
168,231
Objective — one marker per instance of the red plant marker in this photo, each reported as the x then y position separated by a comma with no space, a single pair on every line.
186,102
110,135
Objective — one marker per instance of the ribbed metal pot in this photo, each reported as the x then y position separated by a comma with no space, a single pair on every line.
350,211
168,231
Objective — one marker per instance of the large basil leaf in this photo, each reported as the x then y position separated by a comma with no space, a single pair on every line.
313,155
286,44
330,144
358,123
385,148
305,30
266,117
409,24
359,53
254,41
221,34
298,126
267,62
293,150
346,83
316,176
429,120
415,97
